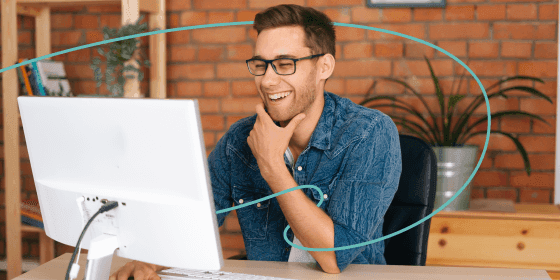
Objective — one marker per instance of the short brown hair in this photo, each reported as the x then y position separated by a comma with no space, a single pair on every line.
318,27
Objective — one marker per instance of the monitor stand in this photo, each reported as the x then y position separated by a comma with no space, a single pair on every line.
100,257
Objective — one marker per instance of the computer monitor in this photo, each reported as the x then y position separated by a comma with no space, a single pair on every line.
147,154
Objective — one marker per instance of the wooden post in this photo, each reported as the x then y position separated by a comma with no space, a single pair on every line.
10,92
130,14
158,53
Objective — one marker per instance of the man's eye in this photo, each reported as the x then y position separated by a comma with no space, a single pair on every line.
285,64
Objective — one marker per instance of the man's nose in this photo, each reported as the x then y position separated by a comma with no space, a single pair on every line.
270,77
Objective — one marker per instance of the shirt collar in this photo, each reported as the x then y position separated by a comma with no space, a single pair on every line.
321,137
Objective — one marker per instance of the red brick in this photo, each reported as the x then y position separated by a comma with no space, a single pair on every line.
546,31
414,30
483,49
428,14
64,21
171,5
548,11
219,4
231,119
524,31
396,15
544,162
498,142
516,124
220,17
232,241
244,88
220,35
537,143
212,122
418,50
178,37
112,21
546,50
362,68
542,127
365,15
191,18
103,9
190,71
86,21
239,52
246,15
539,69
457,13
521,11
338,15
65,38
24,37
491,12
189,89
516,49
77,71
535,196
539,106
358,50
207,105
93,36
388,49
358,86
233,70
335,86
477,193
210,53
209,139
501,193
456,48
348,33
216,88
520,179
492,68
477,30
266,3
181,53
330,3
489,178
240,104
441,67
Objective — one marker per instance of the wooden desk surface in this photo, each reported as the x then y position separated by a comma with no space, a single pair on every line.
56,269
522,212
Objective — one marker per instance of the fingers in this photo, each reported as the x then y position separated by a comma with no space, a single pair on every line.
295,122
139,270
261,113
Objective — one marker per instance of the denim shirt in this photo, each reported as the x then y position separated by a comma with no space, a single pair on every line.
353,156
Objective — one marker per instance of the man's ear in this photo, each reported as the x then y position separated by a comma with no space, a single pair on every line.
326,66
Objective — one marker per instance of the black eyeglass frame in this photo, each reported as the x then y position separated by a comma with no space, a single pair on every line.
267,62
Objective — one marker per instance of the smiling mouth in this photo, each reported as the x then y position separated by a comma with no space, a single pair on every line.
279,96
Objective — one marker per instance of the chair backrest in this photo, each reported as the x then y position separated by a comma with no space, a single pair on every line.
413,201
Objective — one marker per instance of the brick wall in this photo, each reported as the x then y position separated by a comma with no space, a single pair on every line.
497,38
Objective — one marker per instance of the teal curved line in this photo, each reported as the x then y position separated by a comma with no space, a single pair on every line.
282,192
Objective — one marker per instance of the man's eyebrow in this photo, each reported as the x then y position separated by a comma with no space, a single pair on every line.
278,56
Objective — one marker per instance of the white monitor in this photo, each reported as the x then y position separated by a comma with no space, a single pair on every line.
147,154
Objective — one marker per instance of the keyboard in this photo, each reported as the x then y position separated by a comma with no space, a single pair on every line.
180,274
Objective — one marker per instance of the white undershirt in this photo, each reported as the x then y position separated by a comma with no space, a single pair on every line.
297,255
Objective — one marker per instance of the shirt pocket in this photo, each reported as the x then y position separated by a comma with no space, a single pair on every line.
253,218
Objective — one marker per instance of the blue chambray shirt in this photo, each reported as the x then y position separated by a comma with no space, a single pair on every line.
353,156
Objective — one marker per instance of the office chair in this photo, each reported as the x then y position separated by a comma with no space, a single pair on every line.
413,201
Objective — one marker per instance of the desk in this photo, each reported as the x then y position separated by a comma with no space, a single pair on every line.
56,269
528,238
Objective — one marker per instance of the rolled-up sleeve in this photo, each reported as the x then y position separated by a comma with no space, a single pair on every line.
366,187
219,169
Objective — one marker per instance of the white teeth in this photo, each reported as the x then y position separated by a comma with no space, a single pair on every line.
279,95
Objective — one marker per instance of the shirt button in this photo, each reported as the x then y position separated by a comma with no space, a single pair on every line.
325,196
299,168
259,204
241,201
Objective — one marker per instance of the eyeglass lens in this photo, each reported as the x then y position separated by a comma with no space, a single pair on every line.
283,66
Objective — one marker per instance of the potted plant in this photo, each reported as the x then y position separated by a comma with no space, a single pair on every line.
456,160
123,58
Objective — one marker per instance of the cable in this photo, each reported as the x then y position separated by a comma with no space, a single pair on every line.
108,206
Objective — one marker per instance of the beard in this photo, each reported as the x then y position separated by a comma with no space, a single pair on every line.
302,100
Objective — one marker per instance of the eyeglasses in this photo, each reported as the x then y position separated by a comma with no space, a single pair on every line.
282,66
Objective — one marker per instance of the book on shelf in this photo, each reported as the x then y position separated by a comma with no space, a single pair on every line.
48,79
31,213
23,76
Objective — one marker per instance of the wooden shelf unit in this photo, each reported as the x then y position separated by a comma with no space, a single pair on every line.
41,10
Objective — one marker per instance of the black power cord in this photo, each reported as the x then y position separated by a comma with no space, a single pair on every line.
108,206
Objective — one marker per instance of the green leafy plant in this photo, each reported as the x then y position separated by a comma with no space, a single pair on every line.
116,54
455,134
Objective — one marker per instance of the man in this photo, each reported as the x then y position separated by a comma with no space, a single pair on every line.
303,135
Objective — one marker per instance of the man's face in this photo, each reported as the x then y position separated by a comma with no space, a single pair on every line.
300,87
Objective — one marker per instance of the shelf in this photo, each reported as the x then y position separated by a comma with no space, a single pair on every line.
12,152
